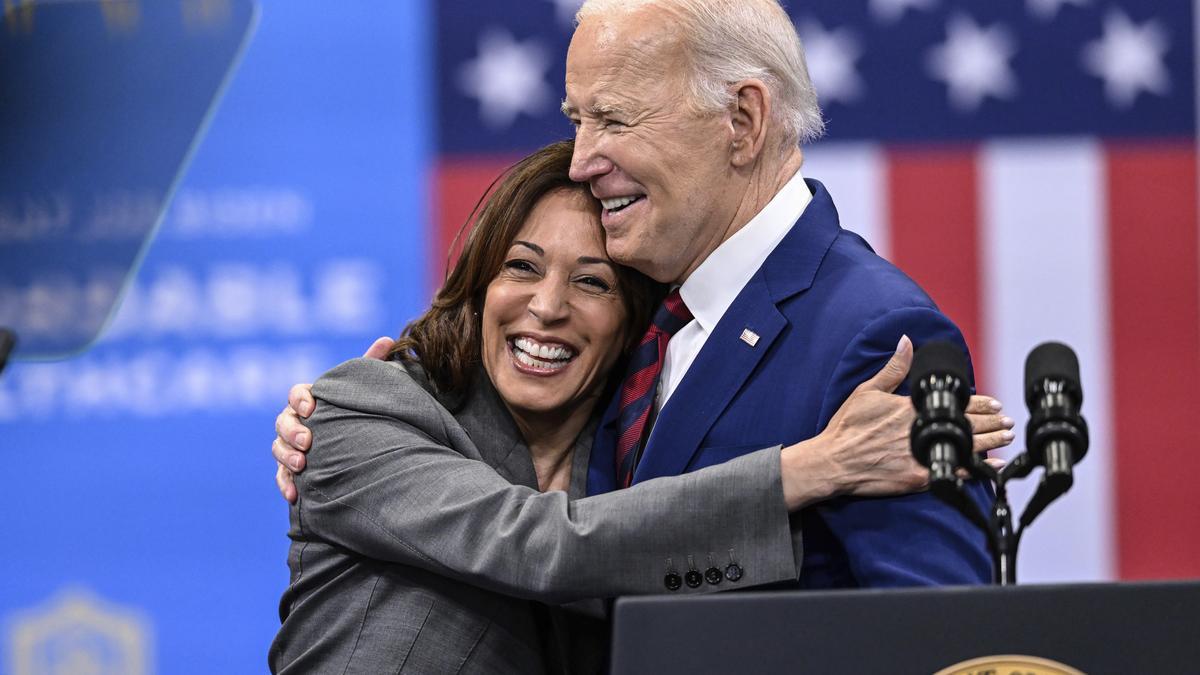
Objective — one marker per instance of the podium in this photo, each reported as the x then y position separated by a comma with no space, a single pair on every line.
1091,628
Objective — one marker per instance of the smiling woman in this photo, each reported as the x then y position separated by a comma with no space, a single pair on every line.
554,325
536,300
536,199
503,374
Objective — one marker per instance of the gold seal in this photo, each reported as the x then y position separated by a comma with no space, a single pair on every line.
76,632
1010,664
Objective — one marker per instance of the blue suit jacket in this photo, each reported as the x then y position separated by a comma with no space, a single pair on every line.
829,313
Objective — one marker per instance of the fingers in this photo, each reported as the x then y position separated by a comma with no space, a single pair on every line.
991,430
292,431
301,400
996,463
893,374
287,456
993,440
982,424
379,349
983,405
287,487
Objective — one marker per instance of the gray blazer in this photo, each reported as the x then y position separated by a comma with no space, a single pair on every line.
419,537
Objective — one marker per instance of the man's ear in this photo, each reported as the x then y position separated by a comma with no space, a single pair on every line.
751,110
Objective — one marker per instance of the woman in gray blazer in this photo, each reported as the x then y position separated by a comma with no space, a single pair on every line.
441,523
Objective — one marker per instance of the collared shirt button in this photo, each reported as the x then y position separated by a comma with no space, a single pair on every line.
733,571
672,581
693,578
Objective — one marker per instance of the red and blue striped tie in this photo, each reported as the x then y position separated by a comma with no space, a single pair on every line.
640,386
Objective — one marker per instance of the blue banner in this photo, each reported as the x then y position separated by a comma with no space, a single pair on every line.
140,529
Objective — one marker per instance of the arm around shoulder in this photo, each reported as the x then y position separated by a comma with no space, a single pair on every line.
393,477
913,539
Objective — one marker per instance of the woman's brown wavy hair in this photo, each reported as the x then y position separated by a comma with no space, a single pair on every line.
445,340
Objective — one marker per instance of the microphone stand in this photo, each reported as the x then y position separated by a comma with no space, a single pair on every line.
1003,538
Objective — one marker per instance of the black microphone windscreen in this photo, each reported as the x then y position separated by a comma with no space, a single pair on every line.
1051,360
938,358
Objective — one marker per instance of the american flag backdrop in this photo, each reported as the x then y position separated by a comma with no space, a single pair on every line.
1032,163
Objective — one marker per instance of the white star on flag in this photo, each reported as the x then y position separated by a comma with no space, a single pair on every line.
831,56
973,62
507,78
893,10
1129,59
1048,9
566,9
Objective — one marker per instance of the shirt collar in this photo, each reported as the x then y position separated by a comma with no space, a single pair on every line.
716,283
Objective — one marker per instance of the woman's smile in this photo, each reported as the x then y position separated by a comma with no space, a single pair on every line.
539,357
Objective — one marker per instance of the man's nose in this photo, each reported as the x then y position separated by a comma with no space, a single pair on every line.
549,301
586,162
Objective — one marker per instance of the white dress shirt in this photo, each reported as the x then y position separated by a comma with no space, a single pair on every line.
716,283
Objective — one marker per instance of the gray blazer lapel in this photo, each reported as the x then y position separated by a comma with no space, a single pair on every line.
492,429
579,462
495,434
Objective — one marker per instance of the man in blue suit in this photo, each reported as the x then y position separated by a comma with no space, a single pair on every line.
689,116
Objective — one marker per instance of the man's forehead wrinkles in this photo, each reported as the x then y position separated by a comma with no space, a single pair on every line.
636,63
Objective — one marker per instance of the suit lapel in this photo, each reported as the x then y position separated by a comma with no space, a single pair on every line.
495,434
716,375
580,461
602,474
726,361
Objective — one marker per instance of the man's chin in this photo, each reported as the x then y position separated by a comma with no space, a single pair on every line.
624,251
640,255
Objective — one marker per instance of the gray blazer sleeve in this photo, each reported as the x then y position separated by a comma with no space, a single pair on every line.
392,476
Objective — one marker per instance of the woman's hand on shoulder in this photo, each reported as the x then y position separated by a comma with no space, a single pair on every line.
864,451
292,438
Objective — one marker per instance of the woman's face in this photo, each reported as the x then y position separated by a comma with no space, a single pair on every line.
553,321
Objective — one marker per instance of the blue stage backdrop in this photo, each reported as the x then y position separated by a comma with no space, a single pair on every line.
140,529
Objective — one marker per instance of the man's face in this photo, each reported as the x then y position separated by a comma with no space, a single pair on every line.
660,168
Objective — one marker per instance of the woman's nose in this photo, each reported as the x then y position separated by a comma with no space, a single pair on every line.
549,301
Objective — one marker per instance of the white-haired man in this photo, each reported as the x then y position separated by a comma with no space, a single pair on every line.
689,116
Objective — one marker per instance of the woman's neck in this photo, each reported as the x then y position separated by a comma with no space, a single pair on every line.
551,440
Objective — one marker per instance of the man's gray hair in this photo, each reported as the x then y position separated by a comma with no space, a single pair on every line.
734,40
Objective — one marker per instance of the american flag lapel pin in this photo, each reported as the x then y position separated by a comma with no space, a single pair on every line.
749,337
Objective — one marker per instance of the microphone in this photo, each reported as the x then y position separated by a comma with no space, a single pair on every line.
941,435
1056,436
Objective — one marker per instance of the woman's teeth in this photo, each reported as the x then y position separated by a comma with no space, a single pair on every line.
545,357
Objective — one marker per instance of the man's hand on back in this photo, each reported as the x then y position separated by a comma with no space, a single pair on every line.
292,438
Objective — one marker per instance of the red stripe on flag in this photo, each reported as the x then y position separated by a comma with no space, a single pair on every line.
458,185
934,212
1153,251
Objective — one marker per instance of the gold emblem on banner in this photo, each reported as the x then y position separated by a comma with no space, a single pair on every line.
1010,664
75,632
